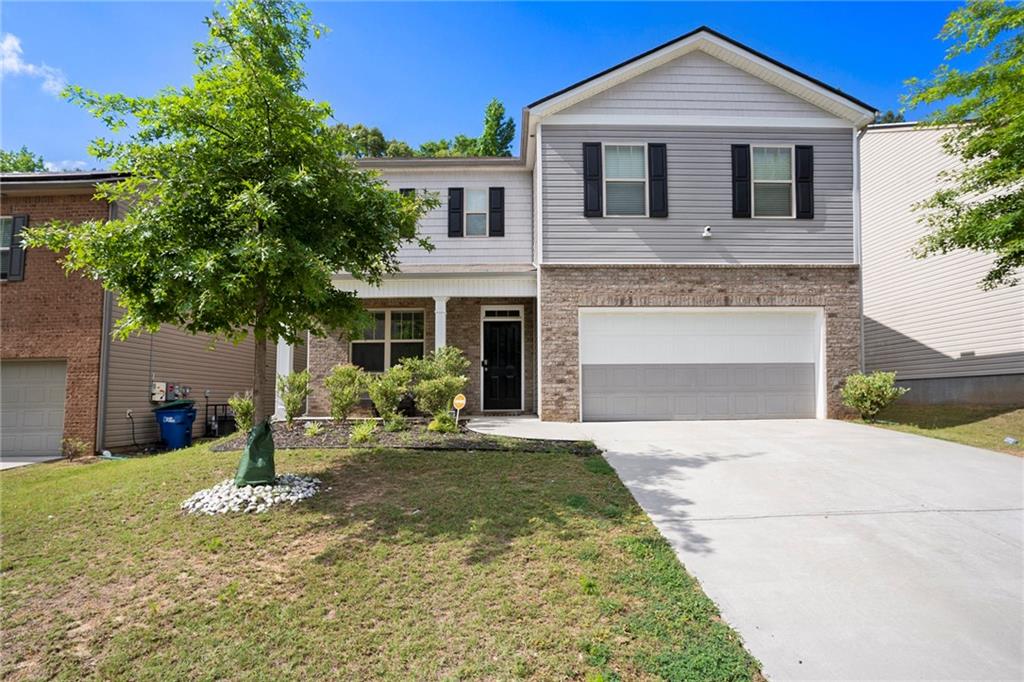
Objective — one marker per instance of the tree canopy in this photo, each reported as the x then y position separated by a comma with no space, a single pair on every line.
496,139
981,207
20,161
242,203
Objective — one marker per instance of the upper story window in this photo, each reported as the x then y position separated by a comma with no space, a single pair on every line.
625,180
476,213
6,239
390,336
772,176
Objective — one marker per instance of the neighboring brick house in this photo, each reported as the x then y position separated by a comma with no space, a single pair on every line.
678,239
61,373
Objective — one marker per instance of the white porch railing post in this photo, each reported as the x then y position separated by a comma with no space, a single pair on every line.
283,367
440,321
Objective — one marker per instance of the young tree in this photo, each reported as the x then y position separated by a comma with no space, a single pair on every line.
242,203
20,161
890,116
982,208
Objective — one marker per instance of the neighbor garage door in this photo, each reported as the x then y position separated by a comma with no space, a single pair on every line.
31,407
684,363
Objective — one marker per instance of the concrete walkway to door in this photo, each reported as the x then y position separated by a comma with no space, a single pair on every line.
837,551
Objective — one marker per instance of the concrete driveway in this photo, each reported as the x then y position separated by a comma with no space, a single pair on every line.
837,551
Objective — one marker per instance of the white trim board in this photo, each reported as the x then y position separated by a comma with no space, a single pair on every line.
510,285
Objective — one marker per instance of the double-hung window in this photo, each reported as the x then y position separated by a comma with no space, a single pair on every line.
625,180
476,213
6,239
390,336
772,175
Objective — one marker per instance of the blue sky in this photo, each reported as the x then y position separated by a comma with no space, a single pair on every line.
426,70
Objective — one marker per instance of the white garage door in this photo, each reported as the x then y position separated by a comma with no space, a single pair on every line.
685,363
31,407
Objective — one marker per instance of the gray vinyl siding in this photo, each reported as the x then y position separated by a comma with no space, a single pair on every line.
175,356
516,247
698,84
699,194
926,318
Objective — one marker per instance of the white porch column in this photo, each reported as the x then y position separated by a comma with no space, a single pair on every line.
440,321
284,365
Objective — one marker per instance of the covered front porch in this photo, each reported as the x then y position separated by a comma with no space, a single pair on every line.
489,315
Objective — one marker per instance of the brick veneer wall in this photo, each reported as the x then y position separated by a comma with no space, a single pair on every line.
52,316
565,289
463,331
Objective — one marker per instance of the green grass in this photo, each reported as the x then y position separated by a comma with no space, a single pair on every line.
408,565
980,426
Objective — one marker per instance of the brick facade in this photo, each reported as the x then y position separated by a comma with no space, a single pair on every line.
463,331
52,316
565,289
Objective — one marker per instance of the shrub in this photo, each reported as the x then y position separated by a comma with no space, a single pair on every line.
243,409
870,393
387,390
344,384
293,389
434,396
313,429
443,423
394,423
445,361
363,431
74,448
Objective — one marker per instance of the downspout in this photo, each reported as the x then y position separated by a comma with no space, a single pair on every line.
857,238
108,306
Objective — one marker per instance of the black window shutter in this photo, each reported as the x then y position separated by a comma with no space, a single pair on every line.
741,181
16,269
454,211
592,179
657,180
406,191
804,182
496,207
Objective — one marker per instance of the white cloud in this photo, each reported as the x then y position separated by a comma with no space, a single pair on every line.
66,165
12,63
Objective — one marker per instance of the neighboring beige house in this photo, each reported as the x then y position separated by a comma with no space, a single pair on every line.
62,375
928,319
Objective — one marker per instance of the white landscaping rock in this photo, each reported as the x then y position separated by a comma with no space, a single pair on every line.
227,497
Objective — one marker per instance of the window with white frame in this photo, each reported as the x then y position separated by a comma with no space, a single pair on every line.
625,180
390,336
476,213
772,177
6,238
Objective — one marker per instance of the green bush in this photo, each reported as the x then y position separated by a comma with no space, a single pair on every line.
293,389
445,361
313,429
344,384
387,390
363,431
444,423
870,393
244,410
434,396
394,423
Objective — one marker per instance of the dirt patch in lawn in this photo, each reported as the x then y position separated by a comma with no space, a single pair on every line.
414,437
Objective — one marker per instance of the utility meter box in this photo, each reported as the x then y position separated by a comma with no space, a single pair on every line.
158,391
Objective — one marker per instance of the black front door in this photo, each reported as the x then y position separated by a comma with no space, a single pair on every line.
503,365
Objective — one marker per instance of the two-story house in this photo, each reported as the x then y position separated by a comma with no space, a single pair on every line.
678,239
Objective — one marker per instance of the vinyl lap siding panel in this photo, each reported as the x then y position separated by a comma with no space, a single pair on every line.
699,194
926,318
178,357
516,247
698,84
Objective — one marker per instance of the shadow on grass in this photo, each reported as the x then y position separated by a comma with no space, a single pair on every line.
942,416
488,500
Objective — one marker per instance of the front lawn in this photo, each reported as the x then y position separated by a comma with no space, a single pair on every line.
407,565
980,426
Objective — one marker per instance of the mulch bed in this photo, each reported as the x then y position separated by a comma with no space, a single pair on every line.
414,437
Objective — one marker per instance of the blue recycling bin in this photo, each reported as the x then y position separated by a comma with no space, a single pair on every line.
174,419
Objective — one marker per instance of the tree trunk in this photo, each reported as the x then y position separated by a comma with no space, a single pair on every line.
259,380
